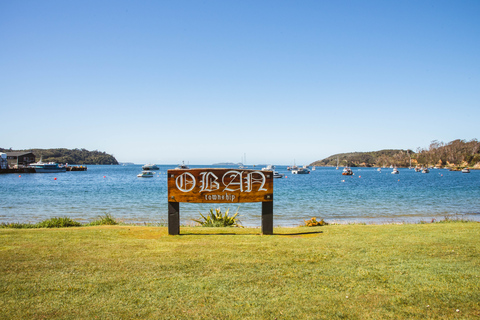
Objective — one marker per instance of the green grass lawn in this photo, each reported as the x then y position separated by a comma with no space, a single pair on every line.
412,271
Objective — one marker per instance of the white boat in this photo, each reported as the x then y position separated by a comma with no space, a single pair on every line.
313,168
347,171
300,171
465,170
150,166
146,174
294,167
243,163
182,166
395,171
425,170
275,173
47,167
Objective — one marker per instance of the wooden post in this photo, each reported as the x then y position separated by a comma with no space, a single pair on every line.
267,217
173,218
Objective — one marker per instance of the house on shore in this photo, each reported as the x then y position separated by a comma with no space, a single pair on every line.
20,159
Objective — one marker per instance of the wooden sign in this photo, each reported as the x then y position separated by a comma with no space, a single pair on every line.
219,185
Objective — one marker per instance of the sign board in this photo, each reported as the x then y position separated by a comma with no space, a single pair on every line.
219,185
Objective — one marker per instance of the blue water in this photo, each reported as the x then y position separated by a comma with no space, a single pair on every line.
367,196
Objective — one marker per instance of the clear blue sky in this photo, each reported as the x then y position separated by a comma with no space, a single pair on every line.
210,81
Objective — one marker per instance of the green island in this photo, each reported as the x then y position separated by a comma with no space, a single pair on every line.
407,271
455,154
72,156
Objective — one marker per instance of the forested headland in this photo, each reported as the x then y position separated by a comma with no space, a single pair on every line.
457,153
71,156
367,159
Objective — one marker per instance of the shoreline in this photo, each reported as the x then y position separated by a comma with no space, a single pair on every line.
346,221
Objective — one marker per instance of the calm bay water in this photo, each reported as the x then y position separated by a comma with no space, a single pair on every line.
368,196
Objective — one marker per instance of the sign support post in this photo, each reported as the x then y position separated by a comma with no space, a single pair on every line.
174,218
267,217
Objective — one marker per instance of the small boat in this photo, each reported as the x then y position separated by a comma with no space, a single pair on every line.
294,167
150,166
395,171
465,170
347,171
242,164
50,167
146,174
417,169
425,170
182,166
275,173
300,171
313,168
379,169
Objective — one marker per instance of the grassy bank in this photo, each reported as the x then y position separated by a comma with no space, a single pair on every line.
412,271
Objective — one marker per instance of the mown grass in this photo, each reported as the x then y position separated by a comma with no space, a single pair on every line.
412,271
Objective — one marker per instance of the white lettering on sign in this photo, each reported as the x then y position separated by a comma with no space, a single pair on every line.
227,197
185,182
232,180
236,181
250,180
209,182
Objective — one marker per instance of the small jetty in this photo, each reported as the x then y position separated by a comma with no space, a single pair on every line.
32,170
76,168
17,170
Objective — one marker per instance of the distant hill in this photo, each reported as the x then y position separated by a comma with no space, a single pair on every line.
71,156
456,153
396,157
226,164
